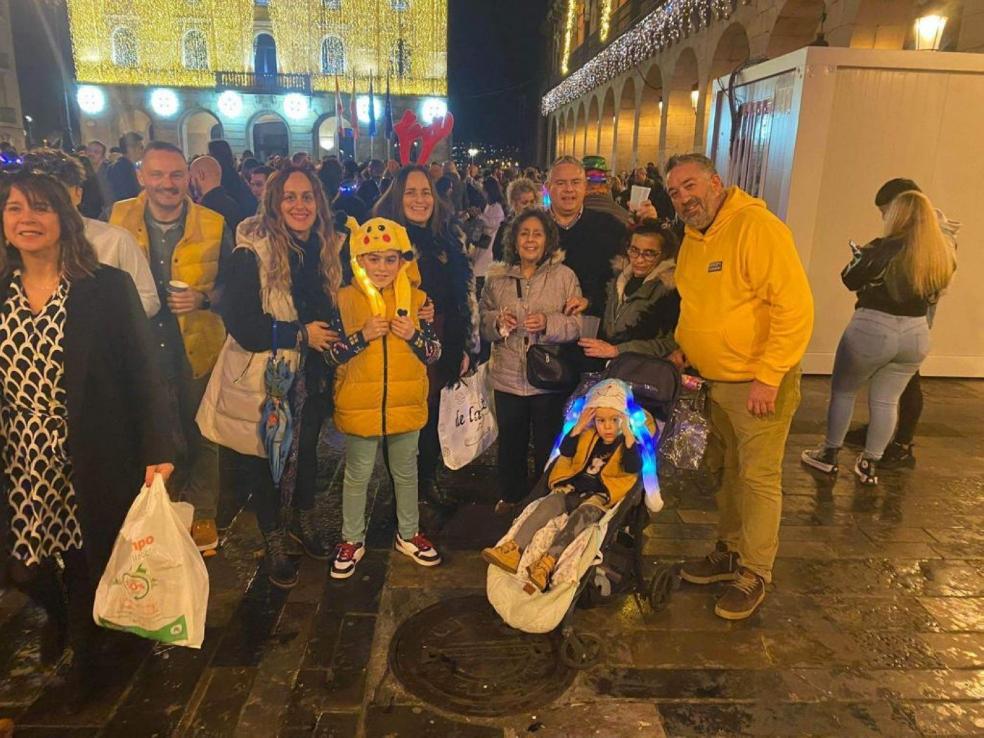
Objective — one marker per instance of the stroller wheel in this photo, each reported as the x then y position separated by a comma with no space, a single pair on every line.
580,651
665,580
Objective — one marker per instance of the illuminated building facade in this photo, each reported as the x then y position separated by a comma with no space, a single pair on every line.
635,80
259,73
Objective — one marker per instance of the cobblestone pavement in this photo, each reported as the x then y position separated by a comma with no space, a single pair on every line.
872,627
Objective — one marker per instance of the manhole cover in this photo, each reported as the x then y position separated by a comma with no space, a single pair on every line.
458,655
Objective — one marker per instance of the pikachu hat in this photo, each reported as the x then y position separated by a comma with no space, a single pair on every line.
380,234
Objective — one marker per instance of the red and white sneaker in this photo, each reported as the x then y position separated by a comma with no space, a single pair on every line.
347,555
419,549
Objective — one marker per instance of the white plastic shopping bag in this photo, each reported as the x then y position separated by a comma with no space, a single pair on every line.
466,425
155,584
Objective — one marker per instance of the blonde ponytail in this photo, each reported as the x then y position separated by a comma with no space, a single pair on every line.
925,265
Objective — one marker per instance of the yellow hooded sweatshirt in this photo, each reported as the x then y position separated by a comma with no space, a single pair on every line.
746,307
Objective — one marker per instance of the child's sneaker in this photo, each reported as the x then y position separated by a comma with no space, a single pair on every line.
347,555
866,470
505,556
822,457
419,549
540,571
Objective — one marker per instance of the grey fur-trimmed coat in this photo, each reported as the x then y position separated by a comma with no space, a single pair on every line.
547,291
643,322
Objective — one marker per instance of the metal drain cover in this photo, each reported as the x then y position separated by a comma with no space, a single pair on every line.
459,656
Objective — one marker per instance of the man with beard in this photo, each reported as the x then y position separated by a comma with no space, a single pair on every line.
590,239
746,316
186,244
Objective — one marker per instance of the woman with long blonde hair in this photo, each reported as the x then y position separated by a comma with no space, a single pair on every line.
897,278
280,296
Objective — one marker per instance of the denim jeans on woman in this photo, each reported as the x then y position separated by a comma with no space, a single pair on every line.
883,351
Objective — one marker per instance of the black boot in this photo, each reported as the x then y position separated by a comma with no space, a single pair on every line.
430,492
281,570
308,530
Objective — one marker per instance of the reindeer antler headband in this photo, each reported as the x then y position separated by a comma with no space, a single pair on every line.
408,130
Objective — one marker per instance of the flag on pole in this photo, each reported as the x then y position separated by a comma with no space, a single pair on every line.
388,112
372,111
339,116
353,111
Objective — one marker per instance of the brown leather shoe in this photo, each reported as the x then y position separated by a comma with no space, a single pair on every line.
742,597
506,556
541,570
720,565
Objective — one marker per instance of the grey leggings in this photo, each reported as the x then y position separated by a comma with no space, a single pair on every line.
885,351
554,504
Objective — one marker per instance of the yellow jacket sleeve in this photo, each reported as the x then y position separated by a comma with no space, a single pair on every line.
775,272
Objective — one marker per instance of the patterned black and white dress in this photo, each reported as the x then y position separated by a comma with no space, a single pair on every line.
33,426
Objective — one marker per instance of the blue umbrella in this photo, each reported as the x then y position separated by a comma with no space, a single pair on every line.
277,422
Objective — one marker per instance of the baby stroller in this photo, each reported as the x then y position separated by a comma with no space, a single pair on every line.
604,562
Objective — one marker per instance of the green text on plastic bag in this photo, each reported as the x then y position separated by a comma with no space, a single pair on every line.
177,630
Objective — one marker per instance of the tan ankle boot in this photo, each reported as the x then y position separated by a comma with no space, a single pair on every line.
505,556
541,570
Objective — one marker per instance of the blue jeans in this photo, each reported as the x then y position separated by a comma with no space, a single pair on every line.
884,351
360,459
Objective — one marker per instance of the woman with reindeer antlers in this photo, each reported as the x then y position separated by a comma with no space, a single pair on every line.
446,277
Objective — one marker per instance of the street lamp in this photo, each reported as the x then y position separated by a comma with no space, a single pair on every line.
28,122
929,32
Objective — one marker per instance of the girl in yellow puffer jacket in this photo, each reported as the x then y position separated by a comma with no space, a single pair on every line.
381,385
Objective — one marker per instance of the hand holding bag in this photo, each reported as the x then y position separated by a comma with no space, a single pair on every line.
466,424
155,584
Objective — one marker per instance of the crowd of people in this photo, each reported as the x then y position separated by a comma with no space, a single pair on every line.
145,296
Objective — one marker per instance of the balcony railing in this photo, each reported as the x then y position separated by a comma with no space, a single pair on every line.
621,21
264,84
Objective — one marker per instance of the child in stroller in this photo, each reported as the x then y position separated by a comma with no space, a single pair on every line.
599,464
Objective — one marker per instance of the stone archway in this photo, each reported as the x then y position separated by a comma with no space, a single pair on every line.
681,116
198,128
886,25
606,146
732,51
326,140
625,144
591,128
268,133
580,131
570,132
650,116
796,26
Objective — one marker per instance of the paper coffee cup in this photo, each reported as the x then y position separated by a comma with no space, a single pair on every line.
639,195
177,286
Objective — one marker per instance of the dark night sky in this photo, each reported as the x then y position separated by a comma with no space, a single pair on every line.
496,59
499,48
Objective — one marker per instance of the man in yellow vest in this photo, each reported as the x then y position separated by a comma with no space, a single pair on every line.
185,244
746,316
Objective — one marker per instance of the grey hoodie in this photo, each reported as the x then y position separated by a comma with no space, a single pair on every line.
547,291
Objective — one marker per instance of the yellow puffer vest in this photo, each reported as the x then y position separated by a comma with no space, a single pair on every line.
196,262
382,391
618,482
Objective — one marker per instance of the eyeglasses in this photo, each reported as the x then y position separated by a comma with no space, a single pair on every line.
646,254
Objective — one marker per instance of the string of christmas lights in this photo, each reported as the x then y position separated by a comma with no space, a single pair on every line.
156,49
606,20
665,26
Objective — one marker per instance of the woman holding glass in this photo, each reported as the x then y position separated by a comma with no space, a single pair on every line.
523,303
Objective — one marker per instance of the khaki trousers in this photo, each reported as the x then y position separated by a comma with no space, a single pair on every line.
750,497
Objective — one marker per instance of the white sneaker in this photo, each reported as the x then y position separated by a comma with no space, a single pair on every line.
419,549
347,555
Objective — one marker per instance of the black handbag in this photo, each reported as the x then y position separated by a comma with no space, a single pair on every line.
553,366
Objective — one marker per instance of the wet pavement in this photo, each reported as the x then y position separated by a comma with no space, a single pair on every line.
872,627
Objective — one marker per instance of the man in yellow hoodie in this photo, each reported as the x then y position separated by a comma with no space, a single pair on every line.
746,316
